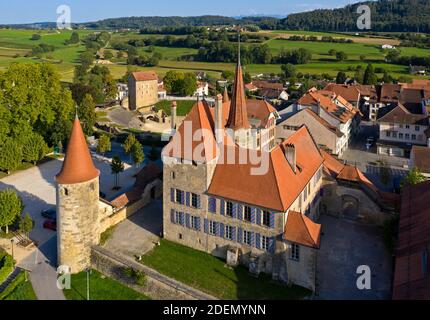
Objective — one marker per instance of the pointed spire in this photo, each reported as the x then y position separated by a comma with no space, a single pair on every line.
225,97
78,165
238,116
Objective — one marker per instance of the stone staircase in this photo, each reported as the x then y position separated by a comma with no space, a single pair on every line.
9,279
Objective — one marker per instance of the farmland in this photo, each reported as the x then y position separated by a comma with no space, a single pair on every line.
15,46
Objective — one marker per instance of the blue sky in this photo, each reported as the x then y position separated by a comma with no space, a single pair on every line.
23,11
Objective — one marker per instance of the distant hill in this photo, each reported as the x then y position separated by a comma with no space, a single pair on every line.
387,16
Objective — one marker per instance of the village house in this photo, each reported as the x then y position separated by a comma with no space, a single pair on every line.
265,221
202,89
420,158
339,118
412,264
143,89
271,91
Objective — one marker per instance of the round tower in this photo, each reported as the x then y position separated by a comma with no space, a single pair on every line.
77,188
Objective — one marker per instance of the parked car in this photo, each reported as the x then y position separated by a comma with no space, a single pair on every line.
50,224
49,214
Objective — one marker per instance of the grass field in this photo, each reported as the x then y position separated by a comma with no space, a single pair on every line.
101,288
182,109
209,274
14,44
19,289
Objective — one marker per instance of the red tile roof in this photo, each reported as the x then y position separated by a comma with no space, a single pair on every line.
238,117
302,230
412,267
350,93
279,187
399,114
421,158
78,165
145,75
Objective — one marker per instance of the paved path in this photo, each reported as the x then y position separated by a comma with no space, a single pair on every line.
41,264
345,245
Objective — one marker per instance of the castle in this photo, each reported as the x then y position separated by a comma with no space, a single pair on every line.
264,220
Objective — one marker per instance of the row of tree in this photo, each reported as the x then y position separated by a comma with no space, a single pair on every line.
11,209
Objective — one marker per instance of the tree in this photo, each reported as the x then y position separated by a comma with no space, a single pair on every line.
74,38
33,147
26,224
10,155
186,86
120,54
332,52
362,57
247,77
370,77
104,144
386,78
359,74
341,56
137,154
413,177
87,114
108,54
117,166
11,207
341,77
128,144
227,75
36,36
290,70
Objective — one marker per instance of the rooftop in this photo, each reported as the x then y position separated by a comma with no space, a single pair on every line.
302,230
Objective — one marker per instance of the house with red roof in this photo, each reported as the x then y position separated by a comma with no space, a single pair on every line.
143,89
231,191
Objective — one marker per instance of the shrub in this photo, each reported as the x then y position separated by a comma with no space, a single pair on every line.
138,276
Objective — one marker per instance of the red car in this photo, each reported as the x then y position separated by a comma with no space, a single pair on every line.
50,224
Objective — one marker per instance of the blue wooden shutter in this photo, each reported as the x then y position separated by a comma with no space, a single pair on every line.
198,202
240,212
172,195
206,226
222,207
252,239
272,220
182,218
253,210
198,223
172,216
187,220
187,199
212,204
233,233
217,229
257,241
258,218
182,197
221,230
239,234
272,245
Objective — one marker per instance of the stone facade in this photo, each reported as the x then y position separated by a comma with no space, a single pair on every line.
78,223
142,93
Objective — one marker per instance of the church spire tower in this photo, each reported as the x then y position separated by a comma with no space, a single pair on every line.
238,116
77,189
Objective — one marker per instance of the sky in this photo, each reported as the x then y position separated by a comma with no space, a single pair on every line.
26,11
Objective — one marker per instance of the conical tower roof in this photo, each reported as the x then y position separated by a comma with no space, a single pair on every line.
78,165
238,116
225,97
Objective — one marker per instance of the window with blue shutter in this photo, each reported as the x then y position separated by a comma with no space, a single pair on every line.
187,220
172,216
221,230
212,204
257,241
182,197
217,229
239,235
198,223
206,226
222,207
234,205
252,244
172,195
258,217
271,245
198,202
239,211
233,234
182,218
187,199
272,220
253,211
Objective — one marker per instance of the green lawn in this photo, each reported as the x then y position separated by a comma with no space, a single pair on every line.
101,288
182,109
19,289
208,273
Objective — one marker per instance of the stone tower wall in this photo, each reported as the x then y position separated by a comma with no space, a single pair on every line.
77,223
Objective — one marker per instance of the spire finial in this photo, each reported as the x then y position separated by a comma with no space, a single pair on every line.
76,112
238,47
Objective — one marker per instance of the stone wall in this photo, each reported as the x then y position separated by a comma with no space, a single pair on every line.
142,93
114,267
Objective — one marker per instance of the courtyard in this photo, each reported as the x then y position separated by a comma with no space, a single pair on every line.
345,245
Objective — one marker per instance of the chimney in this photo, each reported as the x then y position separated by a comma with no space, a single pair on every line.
290,155
173,116
219,132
